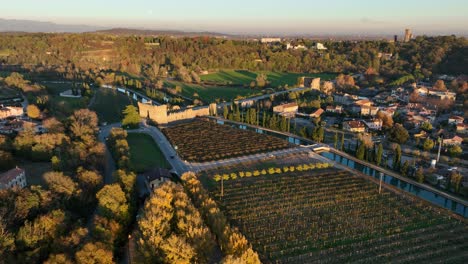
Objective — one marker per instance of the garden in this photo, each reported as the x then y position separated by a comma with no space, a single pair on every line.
314,213
206,141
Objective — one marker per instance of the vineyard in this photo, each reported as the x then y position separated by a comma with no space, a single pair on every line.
334,217
206,141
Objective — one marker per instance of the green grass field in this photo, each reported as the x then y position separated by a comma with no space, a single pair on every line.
242,77
62,107
211,93
109,105
144,153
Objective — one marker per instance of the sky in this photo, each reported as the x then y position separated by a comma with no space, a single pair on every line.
267,17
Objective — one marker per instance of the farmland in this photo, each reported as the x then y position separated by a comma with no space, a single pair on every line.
211,93
109,105
242,77
205,141
144,153
332,216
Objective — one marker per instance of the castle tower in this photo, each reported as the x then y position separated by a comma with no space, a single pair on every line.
408,35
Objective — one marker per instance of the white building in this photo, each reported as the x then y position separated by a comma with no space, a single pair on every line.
10,111
270,40
320,46
13,178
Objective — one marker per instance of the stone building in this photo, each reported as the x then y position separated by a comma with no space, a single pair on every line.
161,115
13,178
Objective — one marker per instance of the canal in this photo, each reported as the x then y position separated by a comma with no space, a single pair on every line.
408,187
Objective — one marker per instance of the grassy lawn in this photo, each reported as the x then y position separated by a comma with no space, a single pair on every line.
144,153
109,105
211,93
62,107
242,77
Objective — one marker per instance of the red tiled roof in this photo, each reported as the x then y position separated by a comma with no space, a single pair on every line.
8,176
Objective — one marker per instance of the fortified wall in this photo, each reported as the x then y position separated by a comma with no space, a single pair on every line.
161,115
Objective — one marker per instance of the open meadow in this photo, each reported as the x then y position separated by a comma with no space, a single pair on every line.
211,93
144,153
109,105
243,77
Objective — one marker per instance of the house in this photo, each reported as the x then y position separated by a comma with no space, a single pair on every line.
295,47
363,102
320,46
317,113
13,178
354,126
344,99
456,120
270,40
456,140
462,128
334,109
374,124
156,177
289,109
10,111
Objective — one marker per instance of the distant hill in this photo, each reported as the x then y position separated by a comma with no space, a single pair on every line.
150,32
14,25
31,26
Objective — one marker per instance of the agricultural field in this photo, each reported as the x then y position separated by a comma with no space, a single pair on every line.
144,153
109,104
206,141
330,216
243,77
210,94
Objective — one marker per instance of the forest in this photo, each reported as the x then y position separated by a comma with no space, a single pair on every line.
156,58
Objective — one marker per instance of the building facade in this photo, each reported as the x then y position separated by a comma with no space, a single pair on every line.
13,178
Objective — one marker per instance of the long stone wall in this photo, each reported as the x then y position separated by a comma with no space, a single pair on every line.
161,115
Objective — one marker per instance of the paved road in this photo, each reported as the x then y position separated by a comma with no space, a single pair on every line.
110,163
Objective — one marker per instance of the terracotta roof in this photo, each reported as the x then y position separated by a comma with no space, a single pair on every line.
8,176
355,124
457,117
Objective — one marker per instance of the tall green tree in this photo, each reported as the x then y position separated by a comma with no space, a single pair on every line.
397,157
378,155
131,117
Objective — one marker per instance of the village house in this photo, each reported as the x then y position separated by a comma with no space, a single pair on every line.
374,124
454,141
156,177
344,99
462,128
354,126
10,111
317,113
456,120
289,109
338,109
13,178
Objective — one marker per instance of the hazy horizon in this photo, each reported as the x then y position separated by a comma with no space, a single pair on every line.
243,17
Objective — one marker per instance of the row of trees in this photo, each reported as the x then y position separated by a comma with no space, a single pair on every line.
172,230
233,244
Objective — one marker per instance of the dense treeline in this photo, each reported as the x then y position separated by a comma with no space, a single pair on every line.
183,58
49,223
